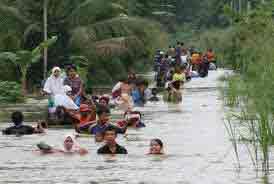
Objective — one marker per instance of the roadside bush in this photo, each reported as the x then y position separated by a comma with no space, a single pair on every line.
10,92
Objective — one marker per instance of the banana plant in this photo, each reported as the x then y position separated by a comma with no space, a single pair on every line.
24,58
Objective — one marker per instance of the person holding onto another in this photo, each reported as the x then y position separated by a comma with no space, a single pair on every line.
70,147
102,123
74,81
85,118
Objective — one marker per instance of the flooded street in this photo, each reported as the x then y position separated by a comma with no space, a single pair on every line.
197,146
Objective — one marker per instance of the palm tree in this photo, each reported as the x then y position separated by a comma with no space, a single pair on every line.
91,28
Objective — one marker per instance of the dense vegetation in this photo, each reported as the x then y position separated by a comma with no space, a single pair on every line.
247,48
100,31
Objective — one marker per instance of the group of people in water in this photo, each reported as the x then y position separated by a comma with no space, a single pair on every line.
103,131
179,64
90,115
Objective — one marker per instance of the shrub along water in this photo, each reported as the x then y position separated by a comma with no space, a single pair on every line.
10,92
250,90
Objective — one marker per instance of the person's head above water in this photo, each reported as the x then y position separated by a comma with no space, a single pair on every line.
104,100
68,142
110,135
156,146
103,114
17,118
154,91
84,110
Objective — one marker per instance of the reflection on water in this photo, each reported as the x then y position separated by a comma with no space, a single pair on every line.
197,146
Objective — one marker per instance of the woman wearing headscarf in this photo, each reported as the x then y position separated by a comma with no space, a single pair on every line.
54,84
70,146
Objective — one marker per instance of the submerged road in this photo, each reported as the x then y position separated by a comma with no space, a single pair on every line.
197,146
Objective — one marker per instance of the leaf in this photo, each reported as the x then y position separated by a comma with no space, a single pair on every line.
80,60
37,51
8,56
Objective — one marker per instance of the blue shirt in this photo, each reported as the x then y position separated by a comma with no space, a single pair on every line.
97,128
138,99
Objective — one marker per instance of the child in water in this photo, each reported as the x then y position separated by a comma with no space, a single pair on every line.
156,147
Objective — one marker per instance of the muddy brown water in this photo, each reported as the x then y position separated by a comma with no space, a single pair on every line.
196,143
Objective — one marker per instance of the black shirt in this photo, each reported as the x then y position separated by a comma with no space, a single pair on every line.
19,130
105,150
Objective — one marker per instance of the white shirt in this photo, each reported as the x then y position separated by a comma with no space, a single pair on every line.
54,85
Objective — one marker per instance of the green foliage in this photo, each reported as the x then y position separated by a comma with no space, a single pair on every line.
10,92
88,28
24,58
252,88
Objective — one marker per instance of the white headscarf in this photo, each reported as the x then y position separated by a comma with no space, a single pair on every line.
54,85
56,68
75,146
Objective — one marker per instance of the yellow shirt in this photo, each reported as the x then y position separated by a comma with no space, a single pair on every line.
179,77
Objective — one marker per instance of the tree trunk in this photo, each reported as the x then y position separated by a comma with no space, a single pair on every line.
45,17
24,82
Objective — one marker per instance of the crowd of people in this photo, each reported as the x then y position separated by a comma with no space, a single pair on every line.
179,64
90,115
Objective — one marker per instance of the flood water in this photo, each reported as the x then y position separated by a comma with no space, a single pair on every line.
197,146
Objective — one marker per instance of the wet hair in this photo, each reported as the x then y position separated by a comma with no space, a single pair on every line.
102,109
154,91
158,142
110,128
44,124
94,98
17,117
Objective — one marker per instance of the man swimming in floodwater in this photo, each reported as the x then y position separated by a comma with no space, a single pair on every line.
70,146
19,128
111,146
